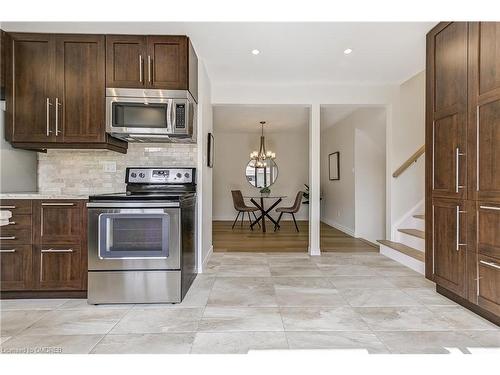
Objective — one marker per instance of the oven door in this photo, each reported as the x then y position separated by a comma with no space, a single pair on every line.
134,239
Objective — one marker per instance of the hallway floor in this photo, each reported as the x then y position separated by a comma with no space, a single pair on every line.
361,302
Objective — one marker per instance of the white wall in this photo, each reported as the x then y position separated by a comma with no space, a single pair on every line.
204,179
408,135
355,204
18,168
370,174
232,152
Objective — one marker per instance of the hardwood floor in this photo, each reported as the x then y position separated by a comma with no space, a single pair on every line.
285,240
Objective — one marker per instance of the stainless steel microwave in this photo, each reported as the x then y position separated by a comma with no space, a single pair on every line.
138,115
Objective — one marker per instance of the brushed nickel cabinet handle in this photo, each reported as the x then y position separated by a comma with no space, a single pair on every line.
491,264
48,104
149,68
490,208
141,69
58,204
457,170
458,228
8,251
477,148
57,250
7,207
57,116
8,238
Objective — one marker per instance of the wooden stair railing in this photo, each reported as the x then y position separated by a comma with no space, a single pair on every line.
412,159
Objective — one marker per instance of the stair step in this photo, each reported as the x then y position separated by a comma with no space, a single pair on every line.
402,248
413,232
421,217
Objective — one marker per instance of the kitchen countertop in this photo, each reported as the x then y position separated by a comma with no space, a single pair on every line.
36,195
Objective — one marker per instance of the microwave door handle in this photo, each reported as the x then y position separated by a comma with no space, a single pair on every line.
173,116
169,116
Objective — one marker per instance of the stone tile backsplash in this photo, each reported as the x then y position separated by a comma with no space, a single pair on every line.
82,172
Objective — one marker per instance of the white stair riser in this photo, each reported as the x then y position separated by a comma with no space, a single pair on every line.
416,224
404,259
412,241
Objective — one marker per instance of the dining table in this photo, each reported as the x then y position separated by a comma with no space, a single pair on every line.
258,201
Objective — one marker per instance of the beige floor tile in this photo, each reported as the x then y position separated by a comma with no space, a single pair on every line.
249,270
243,292
342,318
145,343
159,320
13,322
393,271
306,292
360,282
378,297
76,322
346,270
31,304
4,338
408,318
485,339
428,296
81,304
462,319
363,342
426,342
197,295
238,259
238,342
295,270
411,282
51,344
224,319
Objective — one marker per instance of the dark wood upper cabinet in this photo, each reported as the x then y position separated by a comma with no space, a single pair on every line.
448,244
80,101
167,62
30,88
155,62
447,109
484,111
125,59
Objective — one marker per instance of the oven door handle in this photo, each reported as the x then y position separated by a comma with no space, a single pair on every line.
131,204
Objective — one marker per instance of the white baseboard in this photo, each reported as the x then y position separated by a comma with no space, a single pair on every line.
207,258
338,226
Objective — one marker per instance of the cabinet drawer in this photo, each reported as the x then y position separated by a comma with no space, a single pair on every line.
488,229
60,267
488,293
18,221
59,222
15,236
16,267
16,206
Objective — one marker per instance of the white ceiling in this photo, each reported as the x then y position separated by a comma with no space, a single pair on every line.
383,52
246,118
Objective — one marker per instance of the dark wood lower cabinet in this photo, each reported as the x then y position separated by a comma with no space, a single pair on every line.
44,252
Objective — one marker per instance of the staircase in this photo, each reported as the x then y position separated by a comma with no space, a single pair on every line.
409,245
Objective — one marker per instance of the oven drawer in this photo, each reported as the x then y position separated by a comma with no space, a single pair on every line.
134,287
488,293
488,229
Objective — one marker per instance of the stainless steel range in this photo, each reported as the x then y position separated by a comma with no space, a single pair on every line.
142,242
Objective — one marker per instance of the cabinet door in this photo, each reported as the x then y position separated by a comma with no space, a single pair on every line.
30,88
484,118
447,106
80,101
488,229
16,267
125,59
58,222
167,62
449,236
59,267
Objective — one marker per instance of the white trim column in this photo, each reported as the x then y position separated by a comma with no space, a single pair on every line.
314,179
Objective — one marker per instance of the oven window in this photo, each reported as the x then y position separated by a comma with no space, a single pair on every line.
140,115
123,236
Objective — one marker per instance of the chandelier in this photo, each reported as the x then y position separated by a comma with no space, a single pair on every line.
262,155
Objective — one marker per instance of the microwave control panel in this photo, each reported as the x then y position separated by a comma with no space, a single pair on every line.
180,115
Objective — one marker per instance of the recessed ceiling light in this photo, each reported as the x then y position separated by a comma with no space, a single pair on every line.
347,51
255,52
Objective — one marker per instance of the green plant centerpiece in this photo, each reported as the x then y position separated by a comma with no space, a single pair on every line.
265,191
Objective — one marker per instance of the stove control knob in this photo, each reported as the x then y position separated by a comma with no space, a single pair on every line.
142,175
133,175
179,175
186,175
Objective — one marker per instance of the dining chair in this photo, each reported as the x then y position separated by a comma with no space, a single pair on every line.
241,207
290,210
